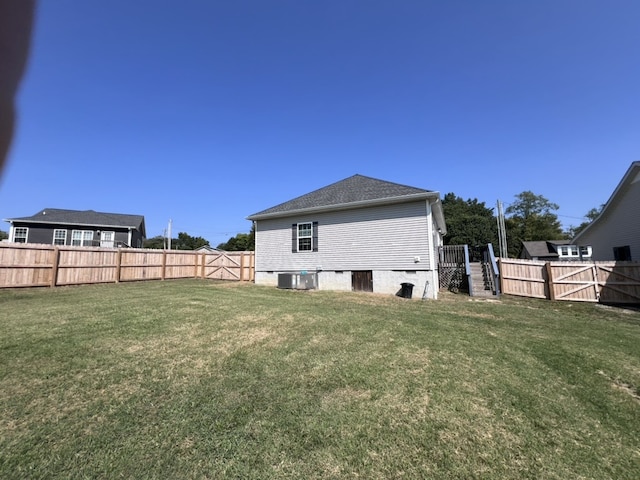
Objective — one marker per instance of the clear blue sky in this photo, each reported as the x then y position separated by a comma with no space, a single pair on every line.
206,111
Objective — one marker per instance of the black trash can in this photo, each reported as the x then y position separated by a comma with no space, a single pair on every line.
407,290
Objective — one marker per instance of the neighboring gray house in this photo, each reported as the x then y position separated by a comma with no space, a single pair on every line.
54,226
615,233
357,234
554,250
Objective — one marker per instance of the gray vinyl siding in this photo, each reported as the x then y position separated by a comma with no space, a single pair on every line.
376,238
617,227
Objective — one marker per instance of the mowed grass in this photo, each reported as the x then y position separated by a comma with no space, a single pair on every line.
196,379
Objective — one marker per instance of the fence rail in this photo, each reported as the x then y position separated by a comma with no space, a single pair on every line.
31,265
606,282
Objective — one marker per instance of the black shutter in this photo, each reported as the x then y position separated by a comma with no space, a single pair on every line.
294,238
315,237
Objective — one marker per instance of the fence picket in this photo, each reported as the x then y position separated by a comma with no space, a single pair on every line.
29,265
609,282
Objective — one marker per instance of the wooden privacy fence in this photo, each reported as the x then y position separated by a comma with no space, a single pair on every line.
31,265
606,282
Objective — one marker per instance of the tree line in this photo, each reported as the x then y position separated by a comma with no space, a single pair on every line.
530,217
242,242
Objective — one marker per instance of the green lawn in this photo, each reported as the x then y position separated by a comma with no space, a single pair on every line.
196,379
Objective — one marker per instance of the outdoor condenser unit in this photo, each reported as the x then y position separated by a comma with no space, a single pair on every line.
285,280
306,281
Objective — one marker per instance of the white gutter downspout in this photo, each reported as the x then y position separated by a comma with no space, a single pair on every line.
432,265
129,238
430,233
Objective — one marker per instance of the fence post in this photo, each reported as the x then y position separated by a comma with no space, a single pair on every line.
118,264
164,265
196,264
241,266
552,293
54,266
252,266
202,263
596,283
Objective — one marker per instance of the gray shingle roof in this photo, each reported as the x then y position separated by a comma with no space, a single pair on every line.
544,248
357,189
84,217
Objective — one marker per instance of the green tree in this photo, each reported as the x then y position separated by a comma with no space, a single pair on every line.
155,242
187,242
531,217
242,242
183,242
590,216
468,222
3,235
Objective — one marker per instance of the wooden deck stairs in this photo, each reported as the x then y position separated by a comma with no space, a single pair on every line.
480,284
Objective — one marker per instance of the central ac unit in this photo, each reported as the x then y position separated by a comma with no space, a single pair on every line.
285,280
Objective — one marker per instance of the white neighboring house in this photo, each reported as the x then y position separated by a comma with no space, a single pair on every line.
360,234
554,250
615,233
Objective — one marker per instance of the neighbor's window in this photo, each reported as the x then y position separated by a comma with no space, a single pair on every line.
585,252
59,237
20,234
107,239
622,254
568,251
81,238
304,237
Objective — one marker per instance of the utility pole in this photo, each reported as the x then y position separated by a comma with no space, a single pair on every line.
169,235
502,231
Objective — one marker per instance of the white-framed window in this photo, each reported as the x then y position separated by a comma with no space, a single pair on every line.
304,237
107,239
20,234
60,236
81,238
568,251
585,252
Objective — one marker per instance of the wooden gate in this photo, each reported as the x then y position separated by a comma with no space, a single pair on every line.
362,281
605,282
229,266
619,283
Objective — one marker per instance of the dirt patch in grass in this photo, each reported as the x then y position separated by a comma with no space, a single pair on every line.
622,386
627,388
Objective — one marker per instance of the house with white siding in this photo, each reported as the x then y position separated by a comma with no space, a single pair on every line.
615,233
360,234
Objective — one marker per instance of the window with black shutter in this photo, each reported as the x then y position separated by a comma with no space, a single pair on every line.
304,237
